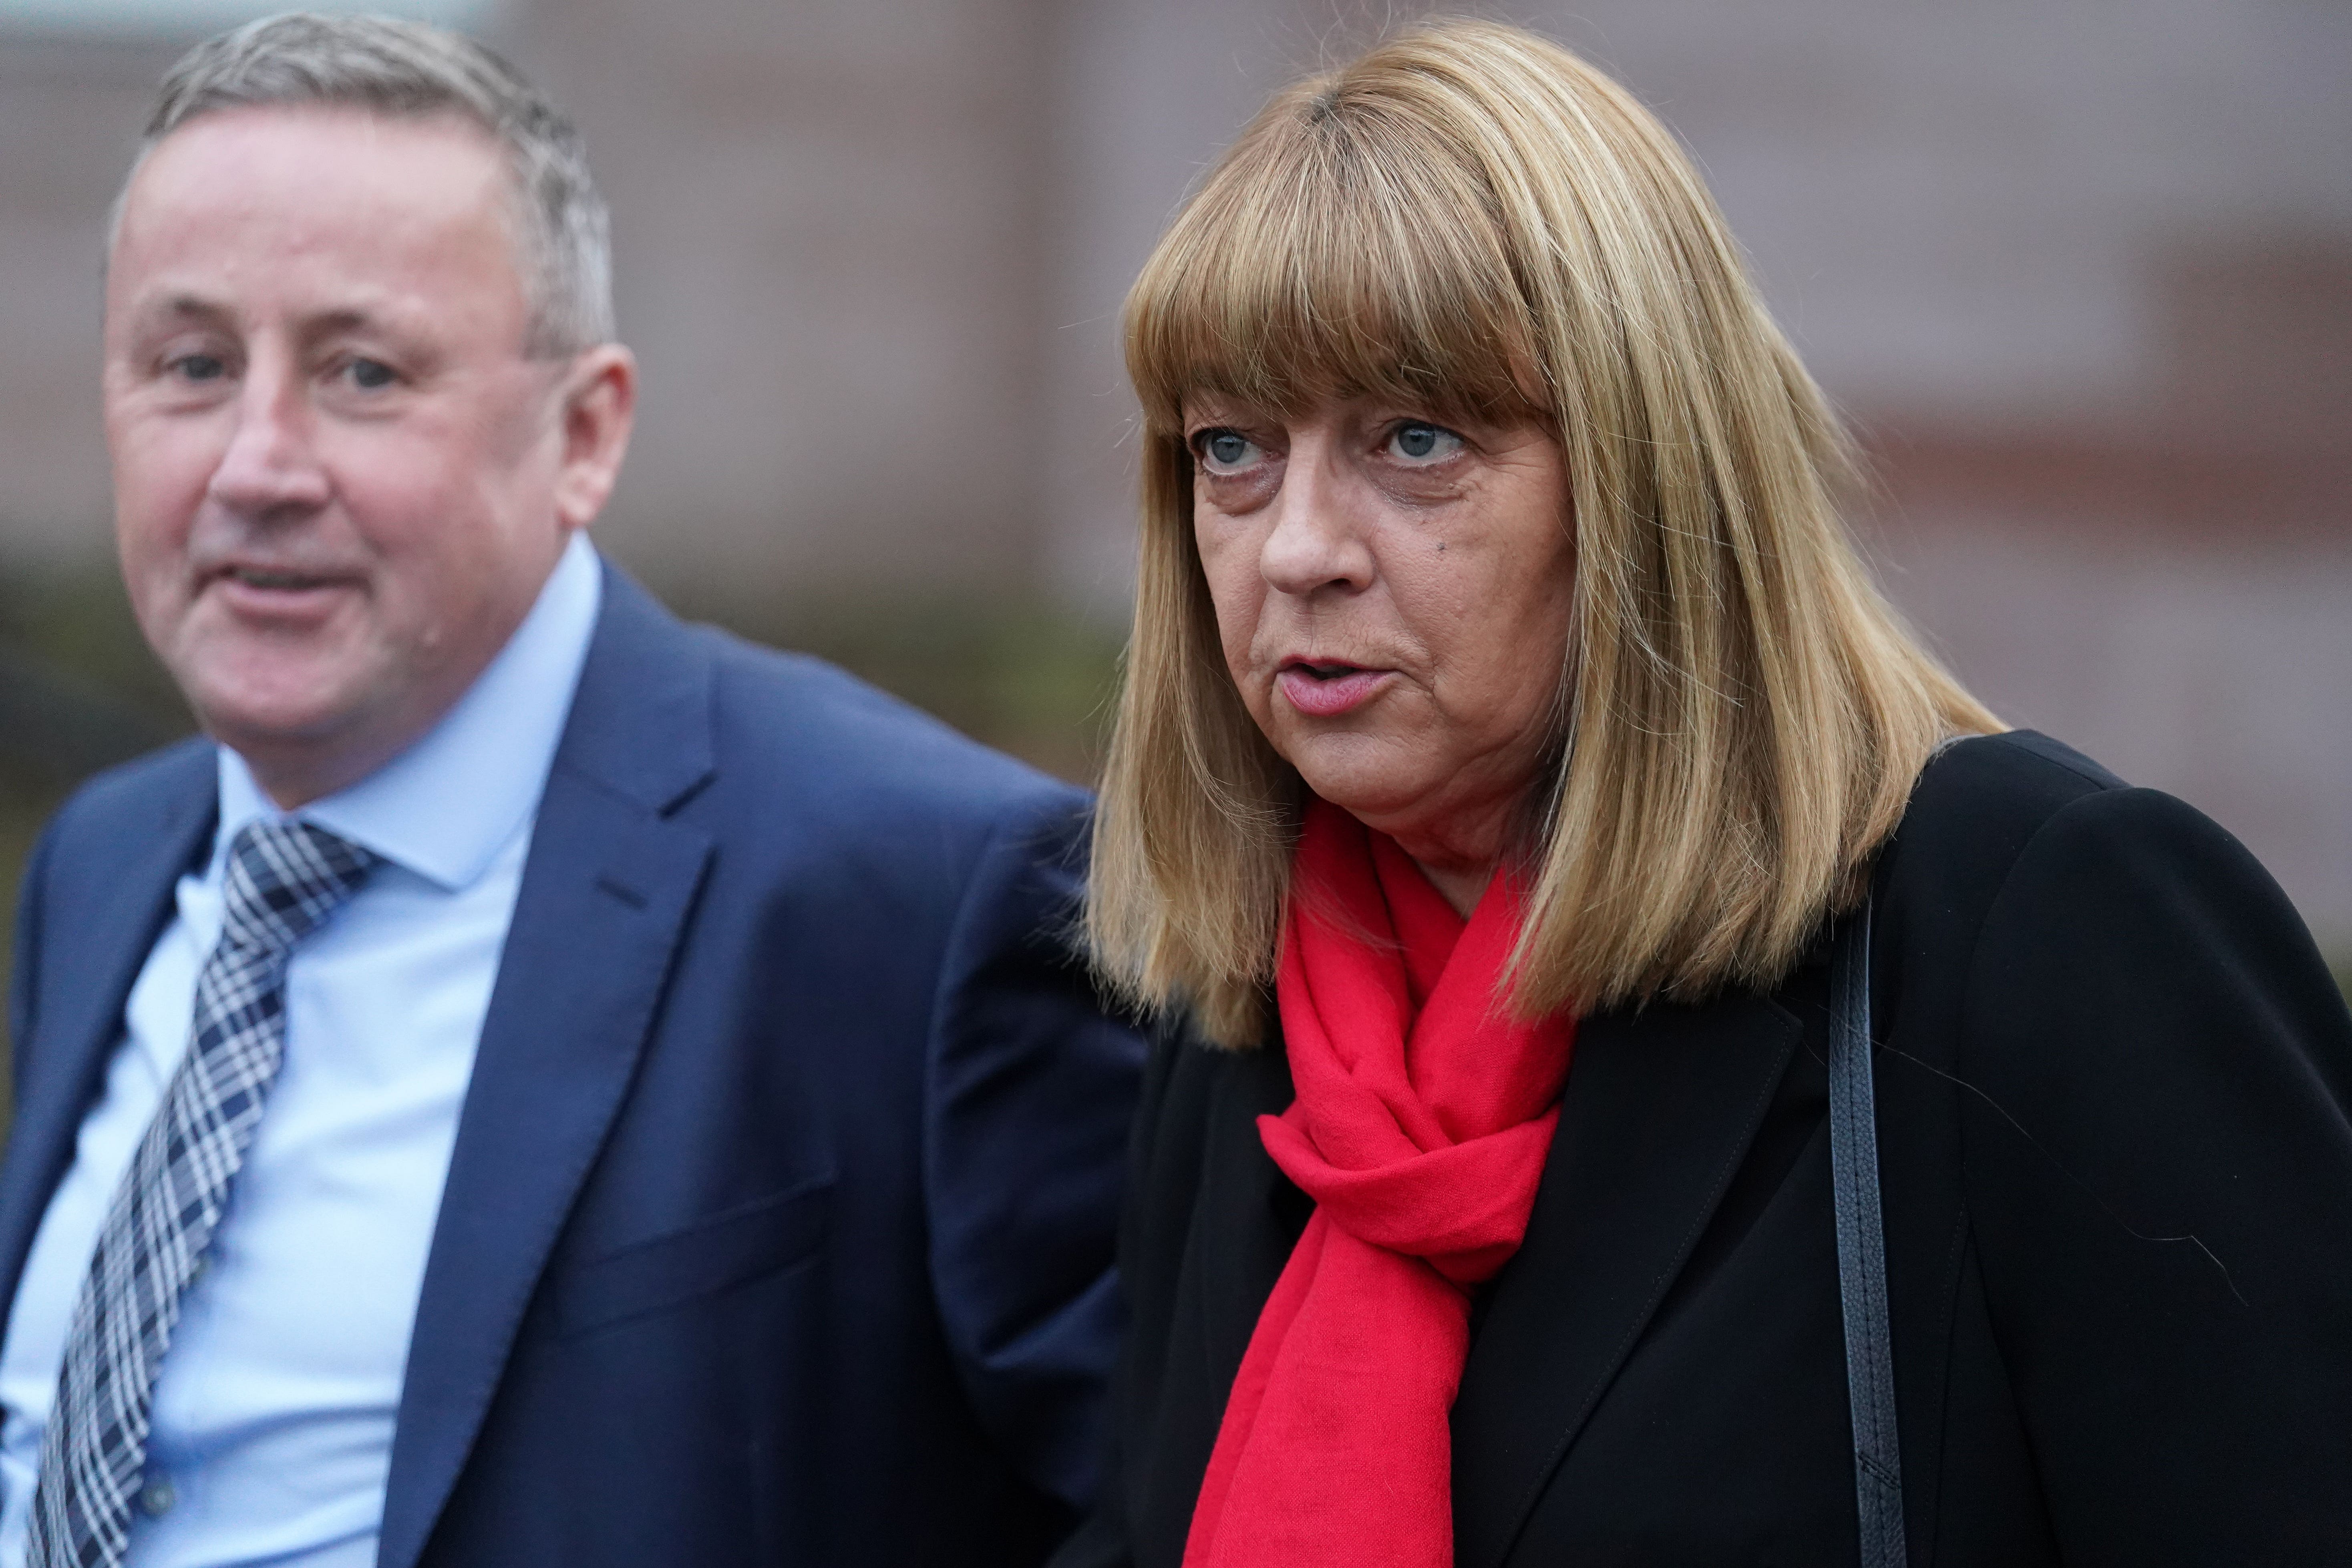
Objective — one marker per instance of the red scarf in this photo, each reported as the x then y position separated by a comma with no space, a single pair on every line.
1423,1116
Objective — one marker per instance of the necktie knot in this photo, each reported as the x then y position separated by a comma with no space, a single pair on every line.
283,879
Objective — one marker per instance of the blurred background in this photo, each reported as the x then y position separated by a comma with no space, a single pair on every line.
2081,275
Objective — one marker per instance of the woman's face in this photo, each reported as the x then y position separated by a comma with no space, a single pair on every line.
1393,592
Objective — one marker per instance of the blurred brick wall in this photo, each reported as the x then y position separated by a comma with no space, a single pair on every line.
829,226
2080,273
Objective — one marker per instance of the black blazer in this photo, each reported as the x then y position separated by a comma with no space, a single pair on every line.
2113,1078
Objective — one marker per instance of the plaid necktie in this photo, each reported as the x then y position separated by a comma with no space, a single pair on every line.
283,880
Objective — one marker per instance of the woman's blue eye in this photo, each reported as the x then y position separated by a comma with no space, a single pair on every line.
1225,448
1419,441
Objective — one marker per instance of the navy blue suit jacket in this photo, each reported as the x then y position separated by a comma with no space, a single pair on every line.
779,1225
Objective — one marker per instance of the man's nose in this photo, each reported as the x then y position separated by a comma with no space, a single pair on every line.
271,469
1315,542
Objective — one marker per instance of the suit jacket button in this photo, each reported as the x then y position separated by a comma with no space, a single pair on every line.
156,1498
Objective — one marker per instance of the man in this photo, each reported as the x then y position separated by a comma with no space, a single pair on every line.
538,1084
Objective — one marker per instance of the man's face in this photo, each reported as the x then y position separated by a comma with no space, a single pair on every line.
339,482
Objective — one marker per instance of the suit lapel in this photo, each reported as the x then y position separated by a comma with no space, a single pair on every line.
605,896
92,951
1659,1110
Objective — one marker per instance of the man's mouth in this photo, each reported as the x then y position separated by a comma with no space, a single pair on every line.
281,595
262,577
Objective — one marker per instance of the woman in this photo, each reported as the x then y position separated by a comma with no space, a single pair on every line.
1510,732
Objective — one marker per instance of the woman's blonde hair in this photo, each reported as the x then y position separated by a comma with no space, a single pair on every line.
1471,218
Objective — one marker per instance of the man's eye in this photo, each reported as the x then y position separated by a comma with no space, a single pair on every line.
198,367
1419,443
369,374
1223,450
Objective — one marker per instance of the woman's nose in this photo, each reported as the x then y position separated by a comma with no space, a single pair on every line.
271,468
1315,542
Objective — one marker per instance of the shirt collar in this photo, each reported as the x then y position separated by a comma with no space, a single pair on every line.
446,806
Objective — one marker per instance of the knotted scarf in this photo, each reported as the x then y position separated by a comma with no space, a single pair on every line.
1422,1119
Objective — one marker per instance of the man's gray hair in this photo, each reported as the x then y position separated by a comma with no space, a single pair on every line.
408,71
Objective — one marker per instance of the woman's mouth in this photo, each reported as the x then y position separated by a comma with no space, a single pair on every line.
1323,690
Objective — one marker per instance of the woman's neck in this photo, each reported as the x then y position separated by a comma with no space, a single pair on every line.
1463,884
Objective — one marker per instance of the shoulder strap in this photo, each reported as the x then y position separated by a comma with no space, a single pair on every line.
1862,1251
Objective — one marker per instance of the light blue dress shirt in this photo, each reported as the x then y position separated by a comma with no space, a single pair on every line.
274,1408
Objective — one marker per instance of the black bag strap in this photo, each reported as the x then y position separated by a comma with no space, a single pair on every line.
1862,1251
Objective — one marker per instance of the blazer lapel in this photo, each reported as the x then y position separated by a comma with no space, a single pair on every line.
91,955
605,896
1660,1109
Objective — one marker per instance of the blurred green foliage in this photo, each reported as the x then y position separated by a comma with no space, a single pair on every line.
1013,669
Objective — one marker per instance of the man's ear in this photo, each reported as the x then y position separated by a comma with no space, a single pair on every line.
599,404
